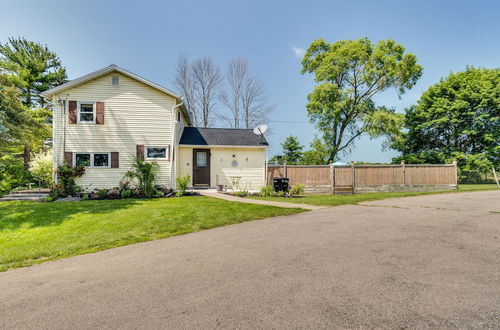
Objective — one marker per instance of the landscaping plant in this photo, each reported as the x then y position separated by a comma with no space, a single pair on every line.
41,168
241,193
297,189
182,185
66,185
266,191
145,174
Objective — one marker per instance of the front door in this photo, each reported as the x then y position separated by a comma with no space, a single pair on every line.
201,167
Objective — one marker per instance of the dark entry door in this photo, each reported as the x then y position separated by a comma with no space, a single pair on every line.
201,167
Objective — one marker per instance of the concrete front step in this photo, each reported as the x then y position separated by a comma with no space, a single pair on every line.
23,198
26,195
33,191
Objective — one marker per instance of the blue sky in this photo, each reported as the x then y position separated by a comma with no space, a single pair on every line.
146,37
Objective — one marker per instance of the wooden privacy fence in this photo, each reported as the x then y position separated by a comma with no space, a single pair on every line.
368,178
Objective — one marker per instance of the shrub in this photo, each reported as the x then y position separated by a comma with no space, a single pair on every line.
145,174
297,189
85,197
159,193
266,191
126,193
280,193
41,168
12,174
182,185
241,193
66,185
102,193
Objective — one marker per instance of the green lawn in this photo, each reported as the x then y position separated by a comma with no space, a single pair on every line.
32,232
336,200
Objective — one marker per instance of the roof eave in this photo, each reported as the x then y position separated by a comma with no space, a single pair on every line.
101,72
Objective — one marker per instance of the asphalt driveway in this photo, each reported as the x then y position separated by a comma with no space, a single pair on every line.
428,261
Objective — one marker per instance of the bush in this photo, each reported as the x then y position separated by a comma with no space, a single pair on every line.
241,193
126,193
41,168
145,174
12,174
266,191
297,189
102,193
182,185
66,185
280,193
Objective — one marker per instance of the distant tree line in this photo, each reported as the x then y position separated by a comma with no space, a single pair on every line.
457,118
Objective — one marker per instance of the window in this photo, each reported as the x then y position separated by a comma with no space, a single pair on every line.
92,159
156,152
115,80
86,112
82,160
201,159
101,160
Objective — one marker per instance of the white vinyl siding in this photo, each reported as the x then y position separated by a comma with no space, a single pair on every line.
251,165
135,114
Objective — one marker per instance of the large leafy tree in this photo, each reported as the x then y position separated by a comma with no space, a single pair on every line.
32,67
459,117
316,155
349,73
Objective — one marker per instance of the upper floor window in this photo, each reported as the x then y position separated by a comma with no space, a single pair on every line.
86,112
115,80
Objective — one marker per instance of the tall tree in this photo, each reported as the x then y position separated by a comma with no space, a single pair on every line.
32,67
236,76
349,73
246,96
207,79
255,103
292,150
459,117
184,83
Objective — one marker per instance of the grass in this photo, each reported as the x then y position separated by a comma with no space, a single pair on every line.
336,200
32,232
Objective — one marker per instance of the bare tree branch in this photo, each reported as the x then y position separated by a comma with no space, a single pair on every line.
207,82
184,83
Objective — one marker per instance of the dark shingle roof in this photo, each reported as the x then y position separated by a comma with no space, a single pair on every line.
221,137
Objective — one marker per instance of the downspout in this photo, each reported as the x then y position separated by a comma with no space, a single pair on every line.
173,146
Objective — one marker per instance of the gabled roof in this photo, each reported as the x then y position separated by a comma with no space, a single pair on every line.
106,70
198,136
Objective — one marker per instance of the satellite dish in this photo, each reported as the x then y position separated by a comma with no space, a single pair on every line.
261,129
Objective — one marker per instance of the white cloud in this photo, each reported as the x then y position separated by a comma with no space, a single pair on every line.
299,52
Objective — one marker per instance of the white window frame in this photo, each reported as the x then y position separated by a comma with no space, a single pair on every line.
167,152
117,80
79,103
92,158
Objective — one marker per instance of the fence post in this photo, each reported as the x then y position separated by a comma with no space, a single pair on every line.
286,170
353,176
456,173
332,177
404,174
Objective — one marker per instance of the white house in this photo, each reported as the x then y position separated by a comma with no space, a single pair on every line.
106,118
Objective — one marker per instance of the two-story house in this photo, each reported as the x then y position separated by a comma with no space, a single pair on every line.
106,118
